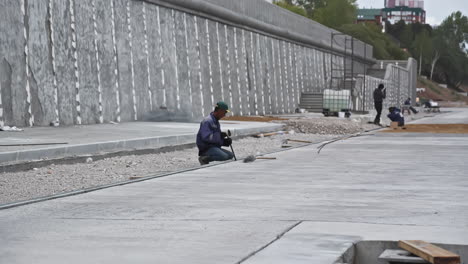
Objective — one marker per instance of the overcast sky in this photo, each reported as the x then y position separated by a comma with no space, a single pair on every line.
436,10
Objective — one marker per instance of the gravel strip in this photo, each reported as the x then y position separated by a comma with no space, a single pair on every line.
60,178
55,179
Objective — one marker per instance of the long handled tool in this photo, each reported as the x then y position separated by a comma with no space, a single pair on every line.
252,158
229,135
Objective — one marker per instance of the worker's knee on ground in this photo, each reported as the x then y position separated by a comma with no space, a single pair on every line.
219,154
230,155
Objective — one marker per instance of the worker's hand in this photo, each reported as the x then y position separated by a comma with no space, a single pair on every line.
224,135
227,142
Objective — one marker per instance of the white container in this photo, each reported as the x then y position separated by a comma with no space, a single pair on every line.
341,114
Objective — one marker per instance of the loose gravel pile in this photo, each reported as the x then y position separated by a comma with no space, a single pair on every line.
55,179
326,126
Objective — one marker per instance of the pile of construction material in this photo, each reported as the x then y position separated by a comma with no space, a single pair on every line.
326,126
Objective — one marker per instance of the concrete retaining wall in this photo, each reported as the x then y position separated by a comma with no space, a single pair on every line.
96,61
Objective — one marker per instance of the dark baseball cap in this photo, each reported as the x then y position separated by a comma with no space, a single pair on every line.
223,105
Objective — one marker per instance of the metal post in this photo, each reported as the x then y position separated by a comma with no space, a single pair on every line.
399,95
364,86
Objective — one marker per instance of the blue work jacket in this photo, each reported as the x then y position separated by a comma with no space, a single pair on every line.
396,116
209,134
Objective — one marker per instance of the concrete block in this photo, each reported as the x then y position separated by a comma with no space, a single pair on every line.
111,146
250,70
242,69
225,67
169,57
269,100
45,153
107,60
8,157
400,256
168,141
13,62
311,71
186,139
87,63
297,64
124,65
277,77
183,82
290,79
214,46
140,58
142,143
155,53
43,104
82,149
234,82
64,62
194,67
259,73
284,83
205,64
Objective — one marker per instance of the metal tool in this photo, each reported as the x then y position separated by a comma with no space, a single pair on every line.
229,136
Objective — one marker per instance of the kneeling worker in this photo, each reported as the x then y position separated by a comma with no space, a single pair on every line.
396,116
210,138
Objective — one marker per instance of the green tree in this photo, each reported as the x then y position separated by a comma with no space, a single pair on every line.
406,37
341,15
438,46
384,47
287,4
422,49
450,44
311,5
336,13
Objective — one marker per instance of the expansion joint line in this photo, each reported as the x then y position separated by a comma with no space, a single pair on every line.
344,138
269,243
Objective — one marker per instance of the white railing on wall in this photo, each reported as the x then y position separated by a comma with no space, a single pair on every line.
399,81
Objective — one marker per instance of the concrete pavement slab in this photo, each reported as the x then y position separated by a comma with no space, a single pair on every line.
448,116
370,187
57,142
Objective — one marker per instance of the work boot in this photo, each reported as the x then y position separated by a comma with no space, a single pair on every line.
203,160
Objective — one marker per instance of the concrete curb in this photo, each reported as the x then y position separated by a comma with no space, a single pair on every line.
99,148
150,177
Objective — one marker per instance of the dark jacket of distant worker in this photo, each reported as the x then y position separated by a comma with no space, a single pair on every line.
210,139
379,96
407,106
396,116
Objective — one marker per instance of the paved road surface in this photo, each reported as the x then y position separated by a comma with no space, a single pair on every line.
376,187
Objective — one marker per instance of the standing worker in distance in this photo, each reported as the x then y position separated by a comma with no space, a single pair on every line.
210,139
379,95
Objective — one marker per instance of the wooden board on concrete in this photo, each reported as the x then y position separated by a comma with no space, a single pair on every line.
429,252
394,125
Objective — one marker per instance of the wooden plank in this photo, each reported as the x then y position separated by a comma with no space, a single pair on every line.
429,252
300,141
394,125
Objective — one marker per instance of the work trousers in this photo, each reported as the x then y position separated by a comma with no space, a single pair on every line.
217,154
378,108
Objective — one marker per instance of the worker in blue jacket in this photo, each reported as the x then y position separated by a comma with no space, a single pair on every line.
396,116
210,139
